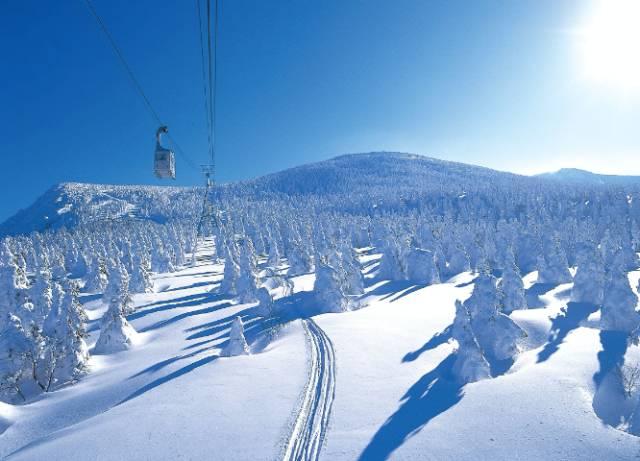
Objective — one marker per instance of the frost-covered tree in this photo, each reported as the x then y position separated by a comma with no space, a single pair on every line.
346,262
229,282
116,334
140,276
457,260
118,284
41,293
328,288
247,282
66,354
274,257
552,263
237,344
96,277
300,261
588,284
496,334
265,303
16,359
421,266
618,312
470,364
511,286
392,261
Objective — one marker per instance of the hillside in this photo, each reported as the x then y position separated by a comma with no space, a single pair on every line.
370,177
72,204
577,176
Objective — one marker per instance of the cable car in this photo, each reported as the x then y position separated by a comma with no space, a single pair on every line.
164,162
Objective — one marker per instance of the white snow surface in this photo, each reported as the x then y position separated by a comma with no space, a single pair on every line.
172,396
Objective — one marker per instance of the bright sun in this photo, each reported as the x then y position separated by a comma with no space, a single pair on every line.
609,43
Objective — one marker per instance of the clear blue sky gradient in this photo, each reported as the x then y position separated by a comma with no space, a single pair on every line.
493,83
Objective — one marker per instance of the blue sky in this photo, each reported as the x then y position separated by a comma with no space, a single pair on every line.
495,83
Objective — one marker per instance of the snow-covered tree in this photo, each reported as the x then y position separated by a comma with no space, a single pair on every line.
140,276
229,282
421,266
116,334
552,263
352,279
588,284
247,283
16,359
300,261
265,303
41,294
392,261
117,286
96,277
618,312
328,288
511,286
65,352
495,333
470,364
237,344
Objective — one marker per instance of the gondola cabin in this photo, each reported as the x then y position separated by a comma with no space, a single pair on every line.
164,162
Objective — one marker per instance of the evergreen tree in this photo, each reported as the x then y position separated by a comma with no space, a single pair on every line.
588,284
618,312
511,286
237,343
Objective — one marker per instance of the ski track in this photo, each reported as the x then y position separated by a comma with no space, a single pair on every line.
311,425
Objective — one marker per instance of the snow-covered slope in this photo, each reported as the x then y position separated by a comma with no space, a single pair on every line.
391,394
366,178
71,204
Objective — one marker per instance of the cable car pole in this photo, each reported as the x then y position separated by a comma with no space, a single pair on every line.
209,222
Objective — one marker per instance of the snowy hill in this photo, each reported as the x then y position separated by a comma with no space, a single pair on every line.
365,177
577,176
72,204
384,180
378,170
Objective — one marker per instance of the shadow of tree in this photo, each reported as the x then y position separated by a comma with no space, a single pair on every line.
609,401
533,293
184,315
255,328
173,375
568,320
159,306
193,285
173,303
432,395
438,339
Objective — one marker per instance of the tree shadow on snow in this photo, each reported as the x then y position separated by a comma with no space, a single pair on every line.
393,290
609,401
175,303
193,285
564,323
432,395
438,339
533,293
257,332
184,315
169,377
88,297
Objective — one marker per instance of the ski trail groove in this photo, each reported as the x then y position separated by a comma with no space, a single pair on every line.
310,427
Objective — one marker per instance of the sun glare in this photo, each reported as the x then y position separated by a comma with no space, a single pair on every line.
609,43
